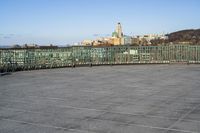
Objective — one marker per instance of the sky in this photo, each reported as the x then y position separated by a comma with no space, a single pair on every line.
62,22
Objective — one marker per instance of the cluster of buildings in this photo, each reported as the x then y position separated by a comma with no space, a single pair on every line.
118,38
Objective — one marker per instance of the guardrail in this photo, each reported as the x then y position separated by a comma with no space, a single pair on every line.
30,59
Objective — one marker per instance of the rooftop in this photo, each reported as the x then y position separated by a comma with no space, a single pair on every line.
118,99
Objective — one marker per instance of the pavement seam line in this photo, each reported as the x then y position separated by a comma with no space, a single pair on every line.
42,125
126,123
123,113
182,117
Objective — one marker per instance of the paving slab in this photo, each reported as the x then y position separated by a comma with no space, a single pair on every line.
104,99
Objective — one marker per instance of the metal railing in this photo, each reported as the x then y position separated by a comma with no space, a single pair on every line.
30,59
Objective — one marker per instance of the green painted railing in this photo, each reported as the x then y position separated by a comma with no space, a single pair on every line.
29,59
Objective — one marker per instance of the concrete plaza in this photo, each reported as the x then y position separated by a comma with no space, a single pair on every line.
104,99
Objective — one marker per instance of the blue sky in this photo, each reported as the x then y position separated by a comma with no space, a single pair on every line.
62,22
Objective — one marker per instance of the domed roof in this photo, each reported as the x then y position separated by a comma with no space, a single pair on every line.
115,34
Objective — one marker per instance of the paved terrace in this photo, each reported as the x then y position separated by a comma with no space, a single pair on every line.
118,99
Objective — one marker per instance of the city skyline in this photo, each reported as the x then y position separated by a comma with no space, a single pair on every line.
65,22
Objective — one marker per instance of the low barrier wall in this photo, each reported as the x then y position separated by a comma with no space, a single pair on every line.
30,59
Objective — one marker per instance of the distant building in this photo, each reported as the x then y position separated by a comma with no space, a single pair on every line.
127,40
118,35
38,46
30,46
48,46
87,42
146,39
150,37
117,38
16,46
118,31
117,41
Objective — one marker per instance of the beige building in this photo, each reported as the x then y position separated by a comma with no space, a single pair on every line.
117,41
87,42
118,35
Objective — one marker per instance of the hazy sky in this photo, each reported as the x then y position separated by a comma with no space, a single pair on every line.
66,21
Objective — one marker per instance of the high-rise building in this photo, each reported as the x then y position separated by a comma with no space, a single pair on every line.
119,30
118,35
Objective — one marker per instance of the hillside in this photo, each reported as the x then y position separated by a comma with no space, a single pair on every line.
185,36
